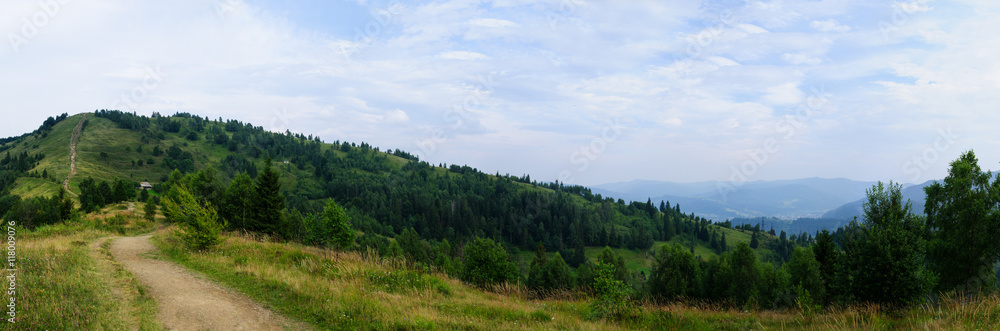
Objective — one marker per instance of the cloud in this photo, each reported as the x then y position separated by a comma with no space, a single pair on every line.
519,85
462,55
492,23
396,117
829,25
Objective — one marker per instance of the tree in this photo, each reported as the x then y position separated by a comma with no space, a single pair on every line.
487,263
964,223
150,209
828,255
617,262
805,273
239,202
340,224
200,226
269,201
675,273
885,264
558,274
746,279
612,295
754,242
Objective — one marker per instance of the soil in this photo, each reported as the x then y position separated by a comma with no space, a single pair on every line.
187,301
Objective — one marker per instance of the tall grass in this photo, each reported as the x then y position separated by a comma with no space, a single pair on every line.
65,281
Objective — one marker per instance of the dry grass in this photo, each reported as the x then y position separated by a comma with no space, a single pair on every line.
336,290
67,282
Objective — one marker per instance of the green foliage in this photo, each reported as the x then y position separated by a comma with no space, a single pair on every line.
964,224
239,202
612,296
487,263
150,209
200,226
886,251
340,225
269,203
675,274
805,274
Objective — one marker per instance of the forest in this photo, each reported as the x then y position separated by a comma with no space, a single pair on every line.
469,224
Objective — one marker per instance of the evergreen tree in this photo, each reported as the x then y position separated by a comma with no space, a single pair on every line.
200,226
239,202
828,256
754,242
269,203
150,209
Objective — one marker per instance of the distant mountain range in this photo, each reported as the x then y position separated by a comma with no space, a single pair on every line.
786,199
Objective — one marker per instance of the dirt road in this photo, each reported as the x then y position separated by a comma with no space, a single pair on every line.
72,152
187,302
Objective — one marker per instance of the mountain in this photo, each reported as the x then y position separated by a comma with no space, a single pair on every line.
790,199
914,193
386,192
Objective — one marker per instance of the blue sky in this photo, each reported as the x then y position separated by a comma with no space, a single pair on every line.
585,92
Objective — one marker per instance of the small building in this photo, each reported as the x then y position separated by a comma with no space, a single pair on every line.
146,186
287,162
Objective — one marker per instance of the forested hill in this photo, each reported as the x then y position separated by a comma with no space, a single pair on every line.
385,192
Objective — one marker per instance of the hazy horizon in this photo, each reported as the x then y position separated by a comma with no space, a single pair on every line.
585,92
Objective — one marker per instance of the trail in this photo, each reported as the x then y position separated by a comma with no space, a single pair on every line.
72,153
187,302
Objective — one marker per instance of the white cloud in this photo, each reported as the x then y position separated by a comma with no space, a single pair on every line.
784,94
463,55
492,23
396,117
557,73
800,58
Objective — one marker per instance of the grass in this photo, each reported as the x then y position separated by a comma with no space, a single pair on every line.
335,290
66,281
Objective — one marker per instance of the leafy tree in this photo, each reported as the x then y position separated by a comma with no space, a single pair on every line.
612,295
200,225
806,274
414,248
558,274
964,221
340,224
746,281
886,251
487,263
675,273
617,262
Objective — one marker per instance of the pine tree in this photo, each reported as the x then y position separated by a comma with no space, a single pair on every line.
239,202
150,209
269,203
754,242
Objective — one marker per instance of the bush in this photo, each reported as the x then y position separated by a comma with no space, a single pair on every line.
200,226
487,263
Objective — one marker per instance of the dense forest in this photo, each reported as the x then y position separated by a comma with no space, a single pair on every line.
461,221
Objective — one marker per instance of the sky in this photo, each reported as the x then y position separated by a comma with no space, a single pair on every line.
584,92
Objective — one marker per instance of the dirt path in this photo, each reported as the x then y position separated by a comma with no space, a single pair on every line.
187,302
72,152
